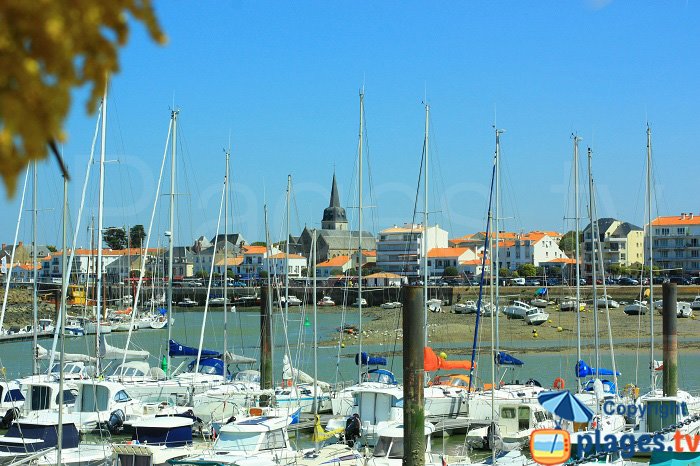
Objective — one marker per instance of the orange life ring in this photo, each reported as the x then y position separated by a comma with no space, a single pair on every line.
558,383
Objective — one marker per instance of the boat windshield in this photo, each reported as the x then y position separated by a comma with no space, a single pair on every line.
246,442
209,370
247,376
389,447
379,377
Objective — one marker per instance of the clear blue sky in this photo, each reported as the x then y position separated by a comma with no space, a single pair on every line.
281,80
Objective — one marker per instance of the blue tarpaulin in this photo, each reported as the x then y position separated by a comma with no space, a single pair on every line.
505,359
176,349
368,360
584,370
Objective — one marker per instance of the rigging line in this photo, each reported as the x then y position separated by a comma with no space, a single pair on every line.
144,255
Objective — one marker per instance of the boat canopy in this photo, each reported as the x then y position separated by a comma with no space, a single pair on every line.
368,360
168,431
505,359
432,362
584,370
176,349
26,437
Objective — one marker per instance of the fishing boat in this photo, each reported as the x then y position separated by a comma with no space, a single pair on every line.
636,308
536,316
293,301
187,302
517,310
569,304
683,308
358,302
607,299
390,305
220,301
326,301
467,307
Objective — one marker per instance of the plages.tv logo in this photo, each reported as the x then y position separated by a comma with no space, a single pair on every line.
553,446
550,446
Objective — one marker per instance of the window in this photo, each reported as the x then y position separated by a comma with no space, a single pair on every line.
121,397
523,417
680,231
679,242
508,413
665,231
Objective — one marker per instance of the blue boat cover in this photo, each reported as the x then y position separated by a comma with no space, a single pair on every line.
505,359
608,386
368,360
212,366
169,437
584,370
176,349
162,311
47,433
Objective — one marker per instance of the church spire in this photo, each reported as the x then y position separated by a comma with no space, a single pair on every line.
334,215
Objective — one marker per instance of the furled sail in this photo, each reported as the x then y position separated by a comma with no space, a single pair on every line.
584,370
44,354
368,360
232,358
505,359
108,351
288,372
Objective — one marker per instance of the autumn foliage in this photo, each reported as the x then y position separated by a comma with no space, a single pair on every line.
48,48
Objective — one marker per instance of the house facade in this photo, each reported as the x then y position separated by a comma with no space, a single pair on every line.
441,258
326,268
676,243
620,243
399,248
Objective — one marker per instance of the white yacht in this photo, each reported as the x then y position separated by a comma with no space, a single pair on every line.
517,310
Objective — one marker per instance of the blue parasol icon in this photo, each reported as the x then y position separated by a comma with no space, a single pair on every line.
565,405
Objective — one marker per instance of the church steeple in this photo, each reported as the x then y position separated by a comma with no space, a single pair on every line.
334,216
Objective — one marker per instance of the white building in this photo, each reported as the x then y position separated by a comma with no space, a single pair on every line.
384,279
441,258
534,248
295,265
325,268
399,249
676,243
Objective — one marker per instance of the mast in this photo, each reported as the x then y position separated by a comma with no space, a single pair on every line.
425,224
578,252
497,263
226,179
651,259
315,252
268,253
594,232
100,214
359,240
171,236
286,248
35,289
62,312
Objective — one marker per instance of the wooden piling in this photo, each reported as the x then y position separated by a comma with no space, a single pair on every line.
413,376
670,335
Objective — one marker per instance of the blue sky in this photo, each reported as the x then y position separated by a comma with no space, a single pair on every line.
280,80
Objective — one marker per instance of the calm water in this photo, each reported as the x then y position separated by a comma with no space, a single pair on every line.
244,339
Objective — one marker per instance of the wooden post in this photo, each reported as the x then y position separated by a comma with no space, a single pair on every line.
265,340
670,318
413,376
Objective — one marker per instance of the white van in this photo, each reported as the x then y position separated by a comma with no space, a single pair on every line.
519,281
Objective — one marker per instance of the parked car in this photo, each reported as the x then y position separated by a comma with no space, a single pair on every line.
517,281
660,280
532,282
551,282
679,280
628,281
239,284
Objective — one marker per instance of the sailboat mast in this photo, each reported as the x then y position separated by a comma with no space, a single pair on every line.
171,237
100,230
313,264
651,259
286,250
268,253
577,221
35,302
62,316
359,238
594,232
425,223
225,276
497,262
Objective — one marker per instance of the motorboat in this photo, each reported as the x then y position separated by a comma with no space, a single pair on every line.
326,301
515,422
695,305
293,301
391,305
517,310
536,316
11,399
467,307
156,441
220,301
343,401
539,302
611,303
74,327
434,305
360,302
187,302
24,439
91,327
636,308
45,325
569,304
251,440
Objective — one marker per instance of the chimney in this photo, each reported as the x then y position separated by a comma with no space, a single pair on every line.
4,246
690,215
682,215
